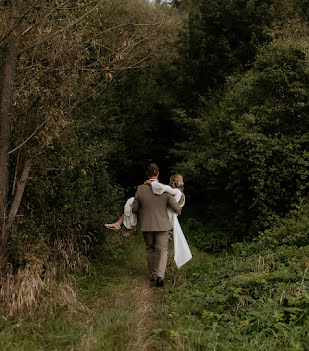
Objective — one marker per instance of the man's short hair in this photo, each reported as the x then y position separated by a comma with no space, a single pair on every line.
152,170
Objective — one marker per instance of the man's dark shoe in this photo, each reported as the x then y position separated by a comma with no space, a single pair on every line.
159,282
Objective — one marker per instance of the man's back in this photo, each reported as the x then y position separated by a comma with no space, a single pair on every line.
153,209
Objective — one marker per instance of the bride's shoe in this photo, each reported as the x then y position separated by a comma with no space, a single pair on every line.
113,226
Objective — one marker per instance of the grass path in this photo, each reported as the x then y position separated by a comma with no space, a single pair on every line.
129,309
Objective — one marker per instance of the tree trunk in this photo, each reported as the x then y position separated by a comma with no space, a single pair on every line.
6,103
19,193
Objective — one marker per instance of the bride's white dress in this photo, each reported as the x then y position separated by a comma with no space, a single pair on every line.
182,253
130,218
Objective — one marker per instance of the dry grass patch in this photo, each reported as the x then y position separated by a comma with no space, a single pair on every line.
27,293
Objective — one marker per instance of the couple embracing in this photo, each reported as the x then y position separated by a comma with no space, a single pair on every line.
157,206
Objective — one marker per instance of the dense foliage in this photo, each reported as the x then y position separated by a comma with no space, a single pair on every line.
216,90
254,296
251,152
54,69
223,99
223,37
71,195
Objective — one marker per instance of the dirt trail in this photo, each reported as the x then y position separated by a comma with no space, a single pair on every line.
147,302
132,311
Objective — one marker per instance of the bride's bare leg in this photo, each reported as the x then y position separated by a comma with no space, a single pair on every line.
129,232
116,225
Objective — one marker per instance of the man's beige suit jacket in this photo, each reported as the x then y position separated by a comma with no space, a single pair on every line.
152,209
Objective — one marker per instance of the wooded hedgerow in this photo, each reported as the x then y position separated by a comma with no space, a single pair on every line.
91,91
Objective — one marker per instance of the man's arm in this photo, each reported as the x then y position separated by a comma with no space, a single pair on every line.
173,204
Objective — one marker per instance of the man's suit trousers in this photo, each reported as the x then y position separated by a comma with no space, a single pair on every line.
156,251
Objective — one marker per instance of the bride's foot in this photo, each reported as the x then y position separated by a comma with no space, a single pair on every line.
113,226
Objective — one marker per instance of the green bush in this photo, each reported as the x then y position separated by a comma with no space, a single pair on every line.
71,196
289,235
249,154
253,296
205,236
293,230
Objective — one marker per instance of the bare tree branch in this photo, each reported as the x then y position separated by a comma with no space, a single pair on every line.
64,29
16,171
24,142
44,18
146,24
19,21
19,193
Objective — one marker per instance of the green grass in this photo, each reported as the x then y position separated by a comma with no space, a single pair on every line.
116,309
253,296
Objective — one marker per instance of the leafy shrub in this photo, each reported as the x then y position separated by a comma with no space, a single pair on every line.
254,296
205,236
288,234
291,231
71,197
250,152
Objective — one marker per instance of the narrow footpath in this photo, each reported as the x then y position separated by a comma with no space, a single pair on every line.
110,308
128,313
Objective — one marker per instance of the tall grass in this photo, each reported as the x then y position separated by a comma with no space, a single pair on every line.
41,286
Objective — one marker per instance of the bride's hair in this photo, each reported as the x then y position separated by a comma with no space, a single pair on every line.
177,179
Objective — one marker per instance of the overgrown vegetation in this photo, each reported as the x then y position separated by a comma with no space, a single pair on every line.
217,90
111,308
251,153
253,296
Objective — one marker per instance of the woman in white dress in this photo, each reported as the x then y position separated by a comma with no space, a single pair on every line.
129,219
